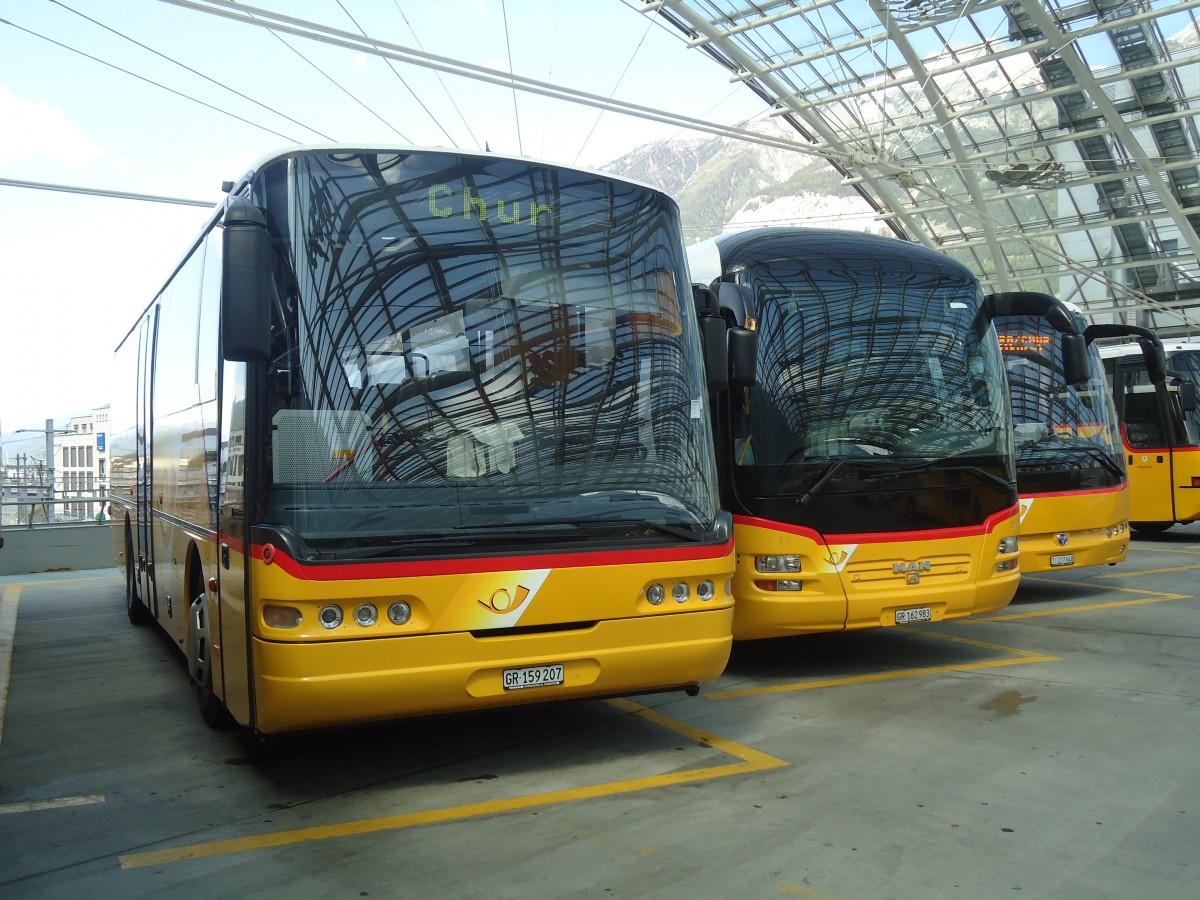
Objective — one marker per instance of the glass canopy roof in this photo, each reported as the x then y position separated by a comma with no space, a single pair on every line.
1048,145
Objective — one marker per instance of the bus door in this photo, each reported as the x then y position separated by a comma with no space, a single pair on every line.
1148,455
1185,450
145,463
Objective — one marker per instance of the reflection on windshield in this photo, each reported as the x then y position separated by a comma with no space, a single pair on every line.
875,369
1056,426
478,342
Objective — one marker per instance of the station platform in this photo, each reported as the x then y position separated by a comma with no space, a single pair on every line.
1045,751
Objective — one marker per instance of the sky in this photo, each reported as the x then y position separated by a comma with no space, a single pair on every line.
95,94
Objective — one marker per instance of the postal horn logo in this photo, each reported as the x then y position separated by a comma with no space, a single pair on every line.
502,601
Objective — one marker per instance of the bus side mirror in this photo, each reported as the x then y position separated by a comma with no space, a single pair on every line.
1156,362
1075,358
712,337
1187,396
743,357
247,283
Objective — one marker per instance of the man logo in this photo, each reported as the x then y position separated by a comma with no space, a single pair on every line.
912,570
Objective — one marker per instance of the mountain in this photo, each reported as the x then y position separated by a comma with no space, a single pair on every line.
723,184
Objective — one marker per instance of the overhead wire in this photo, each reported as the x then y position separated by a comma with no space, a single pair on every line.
438,76
358,100
400,78
151,81
612,93
188,68
508,46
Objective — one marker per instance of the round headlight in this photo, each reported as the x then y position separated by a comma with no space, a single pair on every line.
399,613
330,616
681,592
705,591
655,594
365,614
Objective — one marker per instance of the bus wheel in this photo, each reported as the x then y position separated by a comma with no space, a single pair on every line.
199,660
1150,527
134,607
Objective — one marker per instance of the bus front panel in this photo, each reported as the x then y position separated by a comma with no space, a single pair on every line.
559,627
1074,530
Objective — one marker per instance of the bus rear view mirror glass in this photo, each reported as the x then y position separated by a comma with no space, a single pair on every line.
1075,358
743,353
247,285
1187,396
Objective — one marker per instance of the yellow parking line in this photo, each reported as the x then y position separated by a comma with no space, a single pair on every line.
9,809
1020,656
880,676
750,760
1061,611
9,601
1125,573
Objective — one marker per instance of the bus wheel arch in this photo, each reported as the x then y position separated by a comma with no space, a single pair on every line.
199,648
134,607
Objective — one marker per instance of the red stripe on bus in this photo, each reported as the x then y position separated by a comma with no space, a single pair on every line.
472,565
879,537
1116,488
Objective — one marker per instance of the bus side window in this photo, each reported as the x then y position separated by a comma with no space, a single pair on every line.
1143,427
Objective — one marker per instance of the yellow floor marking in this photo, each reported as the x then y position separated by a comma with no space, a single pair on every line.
8,809
1020,657
1125,573
880,676
9,601
1150,597
750,760
1063,610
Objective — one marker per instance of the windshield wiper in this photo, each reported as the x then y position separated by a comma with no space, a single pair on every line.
680,531
821,480
526,533
941,465
1101,457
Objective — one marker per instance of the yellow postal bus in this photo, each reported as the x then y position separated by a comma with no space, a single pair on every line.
870,467
416,431
1160,427
1071,470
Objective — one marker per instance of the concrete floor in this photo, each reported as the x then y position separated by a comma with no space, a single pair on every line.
1049,751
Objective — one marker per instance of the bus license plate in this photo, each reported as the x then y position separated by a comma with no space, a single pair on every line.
533,676
1067,559
920,614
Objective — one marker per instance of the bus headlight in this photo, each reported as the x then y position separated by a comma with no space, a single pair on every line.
655,594
681,592
330,616
787,563
399,613
281,616
705,591
1007,545
365,614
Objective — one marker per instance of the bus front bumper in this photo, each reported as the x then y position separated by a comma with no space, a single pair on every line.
314,685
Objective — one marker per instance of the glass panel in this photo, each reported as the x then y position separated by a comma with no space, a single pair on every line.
475,343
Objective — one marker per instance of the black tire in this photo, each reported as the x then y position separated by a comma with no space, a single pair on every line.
199,661
134,607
